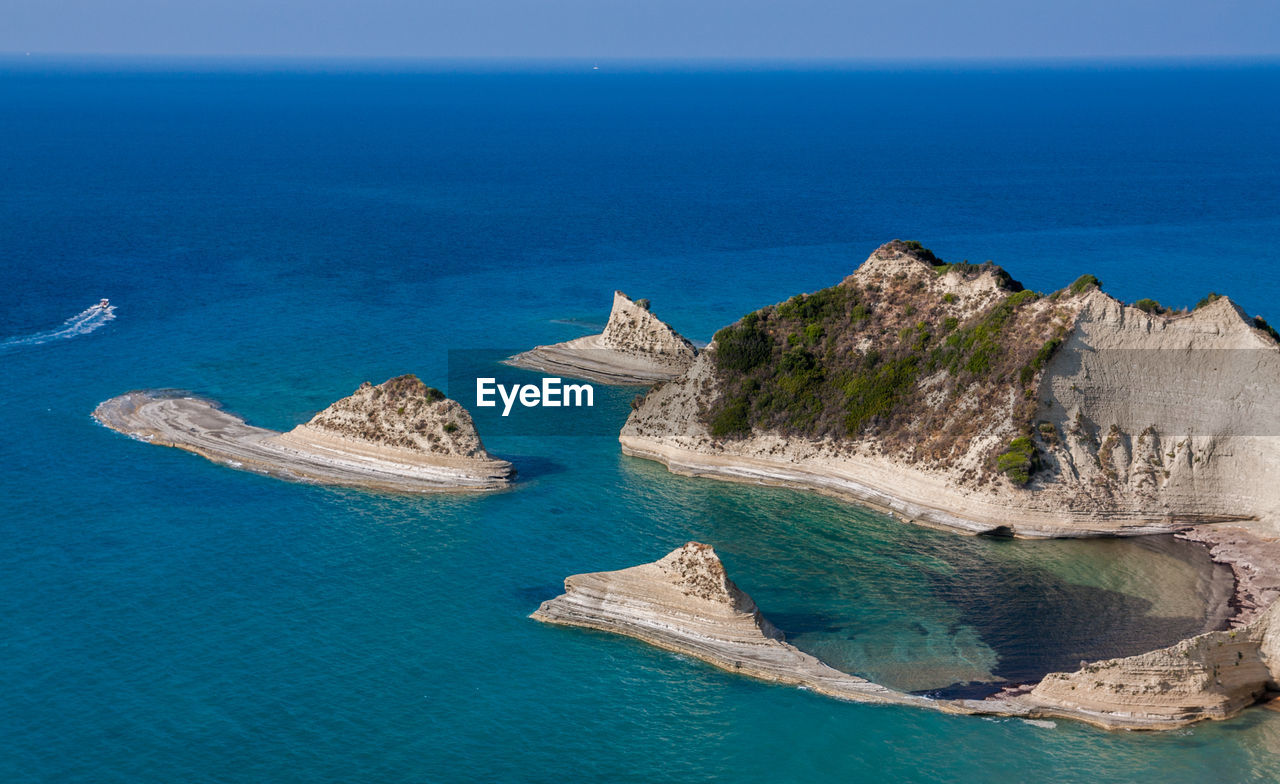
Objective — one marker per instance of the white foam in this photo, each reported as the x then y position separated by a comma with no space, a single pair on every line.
82,323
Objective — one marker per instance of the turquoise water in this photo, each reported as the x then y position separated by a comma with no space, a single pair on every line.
273,238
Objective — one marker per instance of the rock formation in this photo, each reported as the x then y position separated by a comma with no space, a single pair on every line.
948,395
400,435
636,347
1210,676
400,414
685,602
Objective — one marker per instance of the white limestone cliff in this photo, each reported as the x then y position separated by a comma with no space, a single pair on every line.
1145,422
636,347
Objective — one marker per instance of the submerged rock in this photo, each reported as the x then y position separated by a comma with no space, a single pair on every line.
636,347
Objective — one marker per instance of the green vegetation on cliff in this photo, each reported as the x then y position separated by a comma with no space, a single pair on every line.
1019,461
900,361
1083,284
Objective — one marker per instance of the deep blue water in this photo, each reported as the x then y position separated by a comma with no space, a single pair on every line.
271,238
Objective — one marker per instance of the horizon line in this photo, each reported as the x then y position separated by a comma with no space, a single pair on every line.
547,62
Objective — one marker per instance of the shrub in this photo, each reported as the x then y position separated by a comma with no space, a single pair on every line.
1261,323
1084,282
743,346
1041,358
1019,461
846,362
976,347
875,392
818,306
1148,305
449,427
1211,297
924,253
797,360
732,420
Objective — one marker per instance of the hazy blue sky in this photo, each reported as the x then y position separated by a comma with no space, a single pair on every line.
646,28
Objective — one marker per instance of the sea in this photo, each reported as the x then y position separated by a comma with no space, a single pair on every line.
270,234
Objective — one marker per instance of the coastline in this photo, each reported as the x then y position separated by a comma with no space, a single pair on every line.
1108,420
913,499
1252,555
200,426
1254,560
685,603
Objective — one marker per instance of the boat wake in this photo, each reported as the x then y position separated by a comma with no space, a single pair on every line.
82,323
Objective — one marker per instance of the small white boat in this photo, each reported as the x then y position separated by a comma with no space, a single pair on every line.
105,303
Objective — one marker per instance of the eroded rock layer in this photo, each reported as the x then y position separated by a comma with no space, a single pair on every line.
400,435
1210,676
402,414
685,602
636,347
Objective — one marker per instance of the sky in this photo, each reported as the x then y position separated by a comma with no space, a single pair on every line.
645,29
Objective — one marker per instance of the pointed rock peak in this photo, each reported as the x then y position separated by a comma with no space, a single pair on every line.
1220,305
897,258
624,306
620,298
697,570
634,329
1216,313
900,261
406,388
909,248
404,413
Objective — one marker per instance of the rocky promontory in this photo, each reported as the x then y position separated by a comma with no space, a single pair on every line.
400,435
636,347
952,397
685,602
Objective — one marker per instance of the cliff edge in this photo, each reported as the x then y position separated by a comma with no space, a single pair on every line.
950,396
